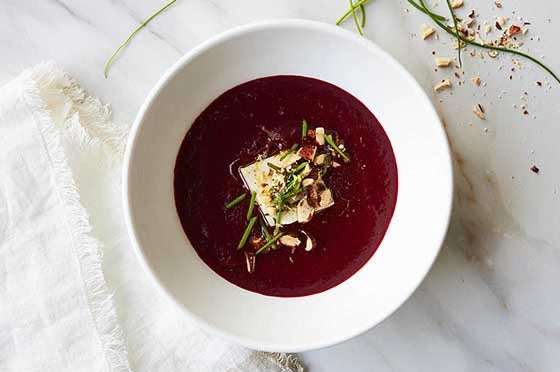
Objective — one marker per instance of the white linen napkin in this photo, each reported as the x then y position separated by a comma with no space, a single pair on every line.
60,210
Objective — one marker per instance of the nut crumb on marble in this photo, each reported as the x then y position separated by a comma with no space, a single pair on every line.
456,4
535,169
443,85
478,110
443,61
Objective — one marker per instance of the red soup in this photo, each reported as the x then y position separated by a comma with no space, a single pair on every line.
285,185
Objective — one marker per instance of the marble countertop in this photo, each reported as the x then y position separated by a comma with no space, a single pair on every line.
492,300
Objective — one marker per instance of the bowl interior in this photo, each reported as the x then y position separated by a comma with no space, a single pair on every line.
414,235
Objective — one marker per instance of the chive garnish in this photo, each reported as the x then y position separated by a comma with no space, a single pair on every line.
300,167
131,36
363,11
275,167
289,151
333,145
235,201
246,233
456,32
349,12
269,243
266,233
251,205
355,17
439,21
303,129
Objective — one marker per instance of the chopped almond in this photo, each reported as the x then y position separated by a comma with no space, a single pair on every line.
427,31
443,61
478,110
456,4
289,241
476,80
443,85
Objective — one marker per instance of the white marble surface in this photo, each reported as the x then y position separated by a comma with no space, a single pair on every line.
492,300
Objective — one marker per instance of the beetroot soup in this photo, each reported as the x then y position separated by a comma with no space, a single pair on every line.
285,185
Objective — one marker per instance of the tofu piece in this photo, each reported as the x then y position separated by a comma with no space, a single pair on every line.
261,178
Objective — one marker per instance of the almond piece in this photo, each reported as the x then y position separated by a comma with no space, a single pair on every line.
476,80
320,136
307,152
304,211
456,4
290,241
513,29
443,61
427,31
326,198
478,110
443,85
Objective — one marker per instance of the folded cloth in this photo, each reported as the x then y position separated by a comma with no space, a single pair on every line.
60,156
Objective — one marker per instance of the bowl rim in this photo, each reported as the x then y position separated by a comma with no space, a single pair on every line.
131,144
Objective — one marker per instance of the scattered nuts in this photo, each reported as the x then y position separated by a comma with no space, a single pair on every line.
498,4
289,241
478,110
310,241
476,80
443,85
320,159
307,152
320,135
250,261
443,61
513,29
456,4
427,31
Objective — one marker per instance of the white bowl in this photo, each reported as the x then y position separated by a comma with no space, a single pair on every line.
414,236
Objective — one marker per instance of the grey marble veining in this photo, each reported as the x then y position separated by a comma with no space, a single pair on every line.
492,300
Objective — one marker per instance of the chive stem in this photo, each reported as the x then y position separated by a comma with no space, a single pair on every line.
131,36
427,11
266,233
456,32
363,11
303,129
269,243
437,20
333,145
275,167
246,233
251,205
236,201
289,151
300,167
349,12
355,17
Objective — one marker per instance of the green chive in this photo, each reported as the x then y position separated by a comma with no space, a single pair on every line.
427,11
363,11
456,32
289,151
349,12
303,129
236,201
269,243
335,147
131,36
266,234
246,233
251,205
438,20
355,18
275,167
300,167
